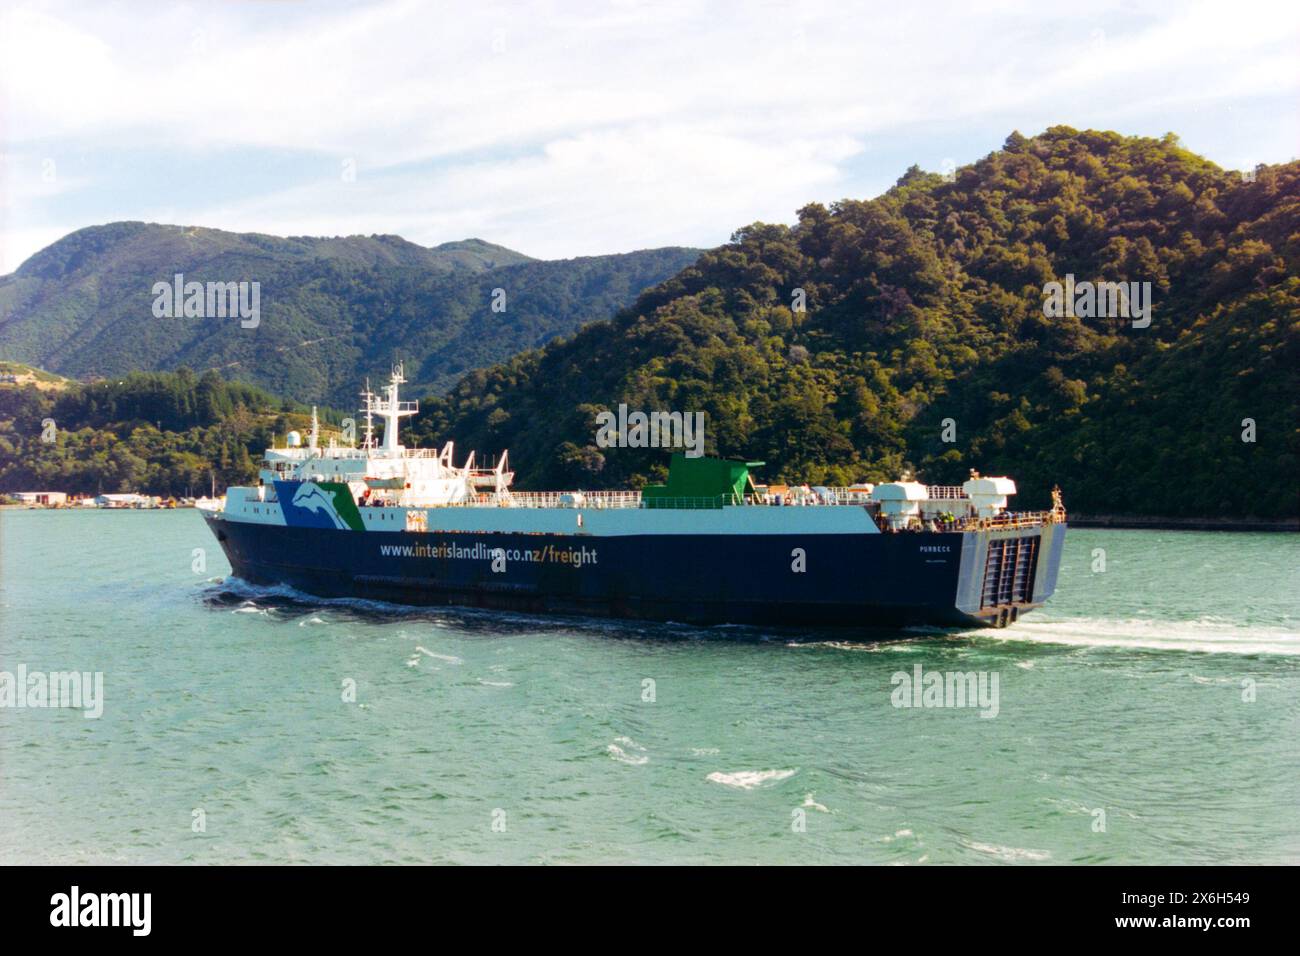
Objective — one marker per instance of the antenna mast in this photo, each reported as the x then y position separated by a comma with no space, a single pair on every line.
392,410
369,408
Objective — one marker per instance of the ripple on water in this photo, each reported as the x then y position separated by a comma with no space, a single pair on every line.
1104,704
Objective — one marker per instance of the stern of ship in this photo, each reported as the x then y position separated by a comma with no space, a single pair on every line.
1007,571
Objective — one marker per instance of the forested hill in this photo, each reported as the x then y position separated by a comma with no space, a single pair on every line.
927,304
332,311
158,433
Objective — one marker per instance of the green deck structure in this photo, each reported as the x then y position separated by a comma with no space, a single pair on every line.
700,483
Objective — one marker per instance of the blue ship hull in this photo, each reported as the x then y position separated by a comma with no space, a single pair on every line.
982,578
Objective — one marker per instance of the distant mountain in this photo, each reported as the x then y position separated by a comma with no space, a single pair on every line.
332,310
926,340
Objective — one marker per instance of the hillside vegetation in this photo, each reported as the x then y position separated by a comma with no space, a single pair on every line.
332,311
16,373
157,433
926,305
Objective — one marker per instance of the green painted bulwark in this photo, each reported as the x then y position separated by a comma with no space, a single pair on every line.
700,483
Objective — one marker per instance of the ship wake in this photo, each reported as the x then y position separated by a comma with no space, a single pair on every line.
1201,636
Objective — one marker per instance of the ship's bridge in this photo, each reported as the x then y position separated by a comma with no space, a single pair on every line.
382,473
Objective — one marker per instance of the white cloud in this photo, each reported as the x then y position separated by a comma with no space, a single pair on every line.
16,245
690,177
575,128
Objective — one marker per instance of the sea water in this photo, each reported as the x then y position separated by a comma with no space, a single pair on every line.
1148,714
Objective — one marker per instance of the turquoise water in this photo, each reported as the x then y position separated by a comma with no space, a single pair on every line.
478,738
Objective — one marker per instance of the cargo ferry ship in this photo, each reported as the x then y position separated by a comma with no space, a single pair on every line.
381,521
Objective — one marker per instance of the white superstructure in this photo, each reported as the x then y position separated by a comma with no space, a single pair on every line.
395,488
384,472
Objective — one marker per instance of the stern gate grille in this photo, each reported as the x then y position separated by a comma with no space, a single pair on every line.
1009,571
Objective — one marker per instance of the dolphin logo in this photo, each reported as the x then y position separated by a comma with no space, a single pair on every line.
312,498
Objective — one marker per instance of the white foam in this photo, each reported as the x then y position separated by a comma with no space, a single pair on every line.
438,657
750,779
1204,636
495,683
837,645
1009,854
861,647
241,588
621,755
812,804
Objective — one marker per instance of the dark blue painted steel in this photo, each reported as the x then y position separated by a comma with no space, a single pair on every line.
848,580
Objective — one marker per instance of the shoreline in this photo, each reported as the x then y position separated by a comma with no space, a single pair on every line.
26,507
1161,523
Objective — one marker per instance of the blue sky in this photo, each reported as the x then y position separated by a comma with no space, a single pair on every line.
569,128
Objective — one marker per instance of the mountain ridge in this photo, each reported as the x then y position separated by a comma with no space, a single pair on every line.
924,318
332,309
924,314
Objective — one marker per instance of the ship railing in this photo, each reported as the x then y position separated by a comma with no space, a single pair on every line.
613,499
479,500
338,452
697,503
591,500
1011,520
945,492
596,500
840,495
846,496
854,498
570,499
